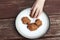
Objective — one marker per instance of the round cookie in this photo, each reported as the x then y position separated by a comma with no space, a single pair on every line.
26,20
38,22
32,26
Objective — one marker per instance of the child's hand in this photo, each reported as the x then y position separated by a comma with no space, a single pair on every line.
37,8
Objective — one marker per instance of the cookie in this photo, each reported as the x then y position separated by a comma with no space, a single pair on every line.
32,27
26,20
38,22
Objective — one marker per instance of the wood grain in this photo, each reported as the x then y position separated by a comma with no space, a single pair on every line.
8,30
10,8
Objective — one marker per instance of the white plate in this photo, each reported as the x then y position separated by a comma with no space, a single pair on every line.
24,31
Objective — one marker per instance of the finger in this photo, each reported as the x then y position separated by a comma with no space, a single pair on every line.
33,11
33,8
36,13
33,5
40,11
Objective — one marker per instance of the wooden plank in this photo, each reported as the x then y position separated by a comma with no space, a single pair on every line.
10,8
8,30
53,38
52,7
54,26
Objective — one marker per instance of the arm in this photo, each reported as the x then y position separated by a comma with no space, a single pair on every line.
37,8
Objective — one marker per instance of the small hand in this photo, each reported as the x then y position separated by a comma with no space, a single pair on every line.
37,8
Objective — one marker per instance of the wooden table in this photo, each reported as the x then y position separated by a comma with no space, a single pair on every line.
9,10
